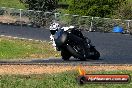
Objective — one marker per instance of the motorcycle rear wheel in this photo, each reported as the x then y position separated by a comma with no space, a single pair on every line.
96,54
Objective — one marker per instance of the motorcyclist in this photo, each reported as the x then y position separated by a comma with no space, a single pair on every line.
75,44
54,27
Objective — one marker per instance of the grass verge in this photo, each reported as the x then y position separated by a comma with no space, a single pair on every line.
59,80
17,48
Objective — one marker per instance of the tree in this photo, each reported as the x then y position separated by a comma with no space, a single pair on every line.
42,5
38,16
124,11
100,8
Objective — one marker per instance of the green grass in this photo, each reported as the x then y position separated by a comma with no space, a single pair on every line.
60,80
16,48
12,4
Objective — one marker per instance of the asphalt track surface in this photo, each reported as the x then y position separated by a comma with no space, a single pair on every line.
114,48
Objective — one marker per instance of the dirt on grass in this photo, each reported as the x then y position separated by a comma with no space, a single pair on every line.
41,69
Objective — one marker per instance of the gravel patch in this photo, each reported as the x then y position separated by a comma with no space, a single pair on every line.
49,69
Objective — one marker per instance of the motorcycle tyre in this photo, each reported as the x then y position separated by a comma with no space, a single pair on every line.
65,55
96,54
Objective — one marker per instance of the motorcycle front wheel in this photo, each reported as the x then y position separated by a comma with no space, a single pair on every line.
65,54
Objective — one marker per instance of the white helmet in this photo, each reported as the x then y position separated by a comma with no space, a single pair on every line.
54,26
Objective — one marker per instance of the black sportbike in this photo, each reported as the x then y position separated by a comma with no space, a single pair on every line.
73,43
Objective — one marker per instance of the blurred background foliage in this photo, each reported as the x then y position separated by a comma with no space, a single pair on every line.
121,9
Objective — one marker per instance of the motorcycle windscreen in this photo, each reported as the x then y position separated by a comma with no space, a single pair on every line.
60,37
